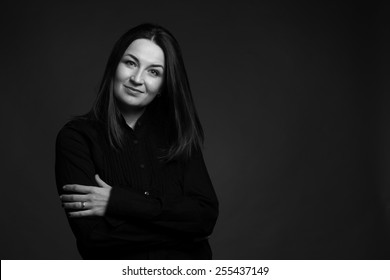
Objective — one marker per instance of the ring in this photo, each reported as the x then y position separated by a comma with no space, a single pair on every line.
83,204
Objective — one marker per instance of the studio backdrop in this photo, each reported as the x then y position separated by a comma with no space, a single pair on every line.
291,98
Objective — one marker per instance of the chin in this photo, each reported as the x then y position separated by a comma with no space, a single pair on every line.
134,104
129,101
134,101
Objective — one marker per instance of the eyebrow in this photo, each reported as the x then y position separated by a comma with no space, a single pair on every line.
137,60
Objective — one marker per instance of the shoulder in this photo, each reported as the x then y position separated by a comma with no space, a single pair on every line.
79,129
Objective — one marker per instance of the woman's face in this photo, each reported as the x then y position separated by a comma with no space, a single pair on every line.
139,75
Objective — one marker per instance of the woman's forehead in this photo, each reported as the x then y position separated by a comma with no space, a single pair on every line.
146,51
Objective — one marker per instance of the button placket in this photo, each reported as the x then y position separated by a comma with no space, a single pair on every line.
142,158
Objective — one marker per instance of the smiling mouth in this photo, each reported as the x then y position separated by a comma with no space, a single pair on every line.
133,89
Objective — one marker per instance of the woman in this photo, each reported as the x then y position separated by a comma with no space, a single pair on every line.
130,173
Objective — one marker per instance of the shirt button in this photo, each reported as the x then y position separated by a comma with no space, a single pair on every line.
146,193
142,165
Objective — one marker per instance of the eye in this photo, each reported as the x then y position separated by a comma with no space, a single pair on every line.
130,63
154,72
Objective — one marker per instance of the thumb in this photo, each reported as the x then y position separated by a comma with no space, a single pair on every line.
100,182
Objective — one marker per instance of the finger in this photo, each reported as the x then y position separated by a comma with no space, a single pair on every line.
100,182
78,188
78,214
76,205
74,197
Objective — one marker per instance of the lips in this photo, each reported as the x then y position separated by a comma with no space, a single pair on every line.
133,89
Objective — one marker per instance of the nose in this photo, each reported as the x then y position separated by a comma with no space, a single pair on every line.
136,78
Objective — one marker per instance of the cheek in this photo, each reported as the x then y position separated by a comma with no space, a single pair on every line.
154,86
120,74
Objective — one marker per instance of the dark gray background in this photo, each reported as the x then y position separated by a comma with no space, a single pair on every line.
291,97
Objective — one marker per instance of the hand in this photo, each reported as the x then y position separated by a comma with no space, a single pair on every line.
86,200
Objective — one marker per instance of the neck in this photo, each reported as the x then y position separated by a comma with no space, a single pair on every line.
131,116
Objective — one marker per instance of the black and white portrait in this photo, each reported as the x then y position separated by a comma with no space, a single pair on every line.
194,130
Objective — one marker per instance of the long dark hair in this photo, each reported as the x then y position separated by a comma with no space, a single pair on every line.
176,98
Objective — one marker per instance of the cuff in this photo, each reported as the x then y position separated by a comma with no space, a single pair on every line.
129,203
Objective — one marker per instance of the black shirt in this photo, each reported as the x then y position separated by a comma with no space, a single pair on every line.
156,210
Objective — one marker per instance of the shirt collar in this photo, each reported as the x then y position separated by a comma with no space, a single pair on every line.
146,120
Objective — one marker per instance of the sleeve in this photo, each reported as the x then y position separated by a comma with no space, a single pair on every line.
194,213
74,165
